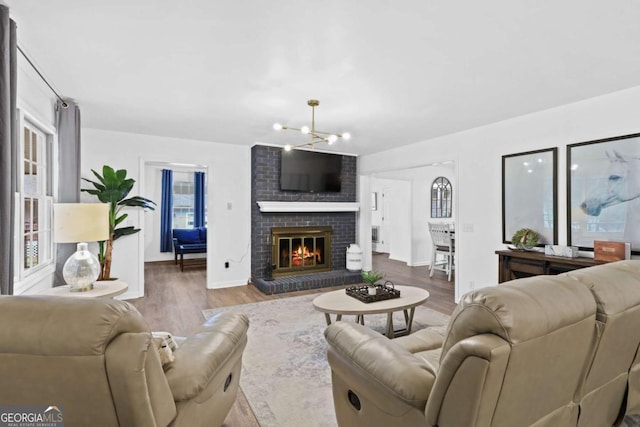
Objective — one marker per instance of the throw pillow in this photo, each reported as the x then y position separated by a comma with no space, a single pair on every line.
165,352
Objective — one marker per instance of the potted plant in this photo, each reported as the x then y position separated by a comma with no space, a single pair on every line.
525,238
370,278
113,187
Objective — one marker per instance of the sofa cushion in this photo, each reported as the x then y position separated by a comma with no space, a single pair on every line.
187,235
192,248
520,310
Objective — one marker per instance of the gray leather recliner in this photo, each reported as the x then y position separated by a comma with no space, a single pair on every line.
94,359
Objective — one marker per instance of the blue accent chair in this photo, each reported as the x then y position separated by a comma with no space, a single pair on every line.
189,241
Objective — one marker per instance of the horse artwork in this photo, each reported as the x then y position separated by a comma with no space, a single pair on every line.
605,192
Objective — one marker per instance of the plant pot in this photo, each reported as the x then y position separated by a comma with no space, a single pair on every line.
372,290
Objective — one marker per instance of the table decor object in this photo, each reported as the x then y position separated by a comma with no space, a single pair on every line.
383,292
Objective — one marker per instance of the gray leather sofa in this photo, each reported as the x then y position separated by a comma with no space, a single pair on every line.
95,359
542,351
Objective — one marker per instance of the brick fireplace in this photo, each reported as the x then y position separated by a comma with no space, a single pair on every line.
265,162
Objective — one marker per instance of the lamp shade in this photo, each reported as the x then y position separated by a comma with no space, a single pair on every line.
80,222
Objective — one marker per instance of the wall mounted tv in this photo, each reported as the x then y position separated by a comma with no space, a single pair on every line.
310,171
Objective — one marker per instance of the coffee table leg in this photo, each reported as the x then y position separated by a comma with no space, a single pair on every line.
328,318
360,319
409,319
390,332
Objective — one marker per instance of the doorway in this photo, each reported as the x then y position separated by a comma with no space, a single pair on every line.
401,210
182,211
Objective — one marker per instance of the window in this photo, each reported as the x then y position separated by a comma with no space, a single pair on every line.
34,201
441,198
183,199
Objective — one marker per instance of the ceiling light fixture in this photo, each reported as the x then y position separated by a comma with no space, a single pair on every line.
317,136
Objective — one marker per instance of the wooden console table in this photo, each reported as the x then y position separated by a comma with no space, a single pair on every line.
515,264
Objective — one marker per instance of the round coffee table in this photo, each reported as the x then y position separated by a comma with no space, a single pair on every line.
339,303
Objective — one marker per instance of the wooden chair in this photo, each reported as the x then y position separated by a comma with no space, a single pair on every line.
443,247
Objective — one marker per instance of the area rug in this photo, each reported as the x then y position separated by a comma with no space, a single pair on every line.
285,374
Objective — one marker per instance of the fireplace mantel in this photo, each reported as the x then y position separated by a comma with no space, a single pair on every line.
266,206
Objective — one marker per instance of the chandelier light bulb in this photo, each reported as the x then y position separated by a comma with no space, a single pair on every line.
317,136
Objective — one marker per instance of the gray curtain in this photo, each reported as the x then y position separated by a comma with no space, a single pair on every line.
68,126
8,147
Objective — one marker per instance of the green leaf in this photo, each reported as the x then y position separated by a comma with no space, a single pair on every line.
124,231
121,218
121,174
97,175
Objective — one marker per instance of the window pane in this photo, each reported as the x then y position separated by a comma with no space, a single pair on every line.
183,200
30,251
31,184
27,145
34,147
34,250
27,215
27,251
35,215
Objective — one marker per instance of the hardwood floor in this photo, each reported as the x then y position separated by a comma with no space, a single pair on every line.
174,302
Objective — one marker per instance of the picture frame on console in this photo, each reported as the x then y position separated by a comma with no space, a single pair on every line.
603,192
529,194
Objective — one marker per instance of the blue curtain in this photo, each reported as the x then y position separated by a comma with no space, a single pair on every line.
166,211
199,203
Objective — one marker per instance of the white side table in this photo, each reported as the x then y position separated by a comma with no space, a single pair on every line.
102,289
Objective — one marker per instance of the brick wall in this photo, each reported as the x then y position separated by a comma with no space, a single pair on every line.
265,186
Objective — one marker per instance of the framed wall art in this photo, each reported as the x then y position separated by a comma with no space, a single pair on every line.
603,192
529,194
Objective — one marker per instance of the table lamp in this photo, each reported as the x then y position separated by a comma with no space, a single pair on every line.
81,223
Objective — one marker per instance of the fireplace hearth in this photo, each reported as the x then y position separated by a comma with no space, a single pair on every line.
300,250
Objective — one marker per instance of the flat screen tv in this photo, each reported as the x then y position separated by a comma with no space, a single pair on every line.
310,171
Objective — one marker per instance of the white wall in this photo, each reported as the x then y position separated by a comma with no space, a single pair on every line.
477,154
228,199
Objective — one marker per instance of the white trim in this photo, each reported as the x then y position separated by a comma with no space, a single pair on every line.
139,291
230,284
266,206
35,281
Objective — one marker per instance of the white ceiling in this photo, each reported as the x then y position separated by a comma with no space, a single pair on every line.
390,72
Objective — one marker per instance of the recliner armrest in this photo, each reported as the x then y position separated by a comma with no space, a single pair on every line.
378,364
200,357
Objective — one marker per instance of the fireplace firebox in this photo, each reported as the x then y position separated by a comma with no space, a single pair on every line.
300,249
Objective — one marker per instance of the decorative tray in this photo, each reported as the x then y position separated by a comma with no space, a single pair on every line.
383,292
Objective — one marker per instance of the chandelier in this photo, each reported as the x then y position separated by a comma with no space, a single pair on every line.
317,136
